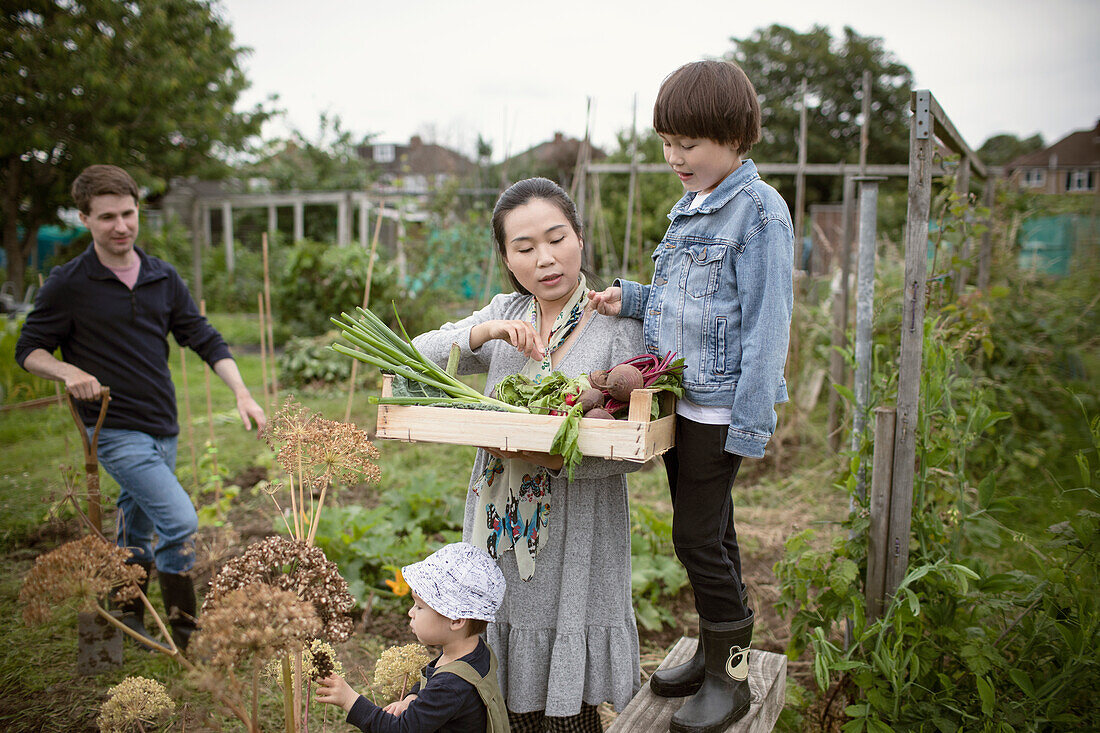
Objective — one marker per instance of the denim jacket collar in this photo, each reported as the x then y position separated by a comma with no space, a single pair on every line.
731,186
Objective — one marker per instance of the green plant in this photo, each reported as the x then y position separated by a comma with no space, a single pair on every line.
16,384
656,576
309,362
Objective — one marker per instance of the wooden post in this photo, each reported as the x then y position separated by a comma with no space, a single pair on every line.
877,552
800,177
921,150
299,222
207,227
363,222
631,186
962,186
985,250
342,230
272,220
270,318
227,231
865,307
838,373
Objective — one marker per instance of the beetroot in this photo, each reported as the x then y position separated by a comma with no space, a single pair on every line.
590,398
622,380
598,379
599,413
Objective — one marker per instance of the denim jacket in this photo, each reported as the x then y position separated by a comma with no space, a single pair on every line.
721,298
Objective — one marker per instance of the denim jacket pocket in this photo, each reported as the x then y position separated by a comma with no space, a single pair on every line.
703,269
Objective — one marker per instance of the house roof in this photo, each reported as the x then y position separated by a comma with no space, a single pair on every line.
421,158
561,152
1081,148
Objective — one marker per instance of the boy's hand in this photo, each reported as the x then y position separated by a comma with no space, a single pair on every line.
396,708
607,302
335,691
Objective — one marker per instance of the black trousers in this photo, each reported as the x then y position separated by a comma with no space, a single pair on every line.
700,479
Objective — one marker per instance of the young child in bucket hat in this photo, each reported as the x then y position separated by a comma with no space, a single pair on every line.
456,591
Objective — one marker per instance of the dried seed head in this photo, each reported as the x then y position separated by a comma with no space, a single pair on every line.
295,566
256,622
83,571
132,704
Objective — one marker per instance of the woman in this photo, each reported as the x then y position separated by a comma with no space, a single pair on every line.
565,635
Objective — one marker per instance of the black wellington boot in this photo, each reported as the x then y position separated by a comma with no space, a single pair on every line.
133,611
685,679
179,601
724,695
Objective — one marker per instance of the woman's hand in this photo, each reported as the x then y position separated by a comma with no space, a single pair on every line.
546,460
520,334
607,302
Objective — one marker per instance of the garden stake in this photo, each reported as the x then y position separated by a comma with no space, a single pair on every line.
366,304
91,461
270,327
263,352
190,422
209,404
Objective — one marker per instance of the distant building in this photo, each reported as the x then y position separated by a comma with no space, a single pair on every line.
555,159
1071,165
417,167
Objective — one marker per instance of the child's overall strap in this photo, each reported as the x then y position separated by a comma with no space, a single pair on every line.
496,714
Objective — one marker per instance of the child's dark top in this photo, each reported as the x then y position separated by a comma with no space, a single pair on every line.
447,704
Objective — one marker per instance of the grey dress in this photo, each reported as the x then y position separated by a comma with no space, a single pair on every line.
568,635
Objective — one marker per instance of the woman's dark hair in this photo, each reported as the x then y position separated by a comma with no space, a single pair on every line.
709,99
522,193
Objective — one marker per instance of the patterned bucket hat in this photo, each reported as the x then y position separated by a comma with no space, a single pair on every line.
458,581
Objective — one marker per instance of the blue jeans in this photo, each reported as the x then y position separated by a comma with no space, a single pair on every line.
151,499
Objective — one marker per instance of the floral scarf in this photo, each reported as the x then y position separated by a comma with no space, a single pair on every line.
513,496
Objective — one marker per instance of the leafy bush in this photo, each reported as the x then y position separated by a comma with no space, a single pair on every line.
16,384
656,576
309,362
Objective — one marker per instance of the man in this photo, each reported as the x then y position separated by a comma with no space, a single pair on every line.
110,310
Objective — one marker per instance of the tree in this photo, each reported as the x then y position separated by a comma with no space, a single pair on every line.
330,162
149,86
777,58
1005,148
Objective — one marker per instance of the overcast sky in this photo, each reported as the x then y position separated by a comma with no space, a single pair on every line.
516,72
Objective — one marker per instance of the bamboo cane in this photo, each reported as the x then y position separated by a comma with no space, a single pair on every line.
270,318
190,421
366,304
209,400
263,352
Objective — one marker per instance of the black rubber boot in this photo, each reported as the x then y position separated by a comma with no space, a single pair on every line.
724,695
133,611
685,679
179,601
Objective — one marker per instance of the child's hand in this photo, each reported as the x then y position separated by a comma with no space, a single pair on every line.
396,708
335,691
607,302
520,334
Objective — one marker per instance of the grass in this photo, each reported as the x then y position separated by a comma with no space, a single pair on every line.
49,696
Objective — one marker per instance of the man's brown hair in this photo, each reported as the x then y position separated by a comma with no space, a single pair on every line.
709,99
102,180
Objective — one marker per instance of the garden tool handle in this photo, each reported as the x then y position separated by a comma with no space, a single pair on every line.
91,462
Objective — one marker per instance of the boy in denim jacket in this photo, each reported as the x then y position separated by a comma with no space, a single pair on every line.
721,297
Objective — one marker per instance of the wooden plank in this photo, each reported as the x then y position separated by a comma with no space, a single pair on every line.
949,136
773,169
767,684
882,466
637,439
921,150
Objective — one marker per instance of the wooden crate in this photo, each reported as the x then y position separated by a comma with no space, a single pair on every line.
635,439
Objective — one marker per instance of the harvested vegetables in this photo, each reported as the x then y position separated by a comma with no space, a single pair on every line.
376,343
